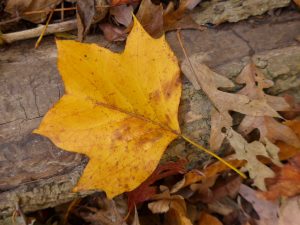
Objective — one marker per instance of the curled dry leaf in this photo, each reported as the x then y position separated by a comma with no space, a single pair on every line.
122,14
268,127
88,12
21,7
113,33
223,102
85,11
249,152
119,109
173,205
287,181
151,17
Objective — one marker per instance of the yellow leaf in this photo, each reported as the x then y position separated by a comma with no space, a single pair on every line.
119,109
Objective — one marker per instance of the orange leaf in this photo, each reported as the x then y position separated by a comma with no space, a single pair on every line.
287,151
207,219
287,181
212,170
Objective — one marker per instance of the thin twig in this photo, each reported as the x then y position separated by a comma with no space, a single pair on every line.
44,30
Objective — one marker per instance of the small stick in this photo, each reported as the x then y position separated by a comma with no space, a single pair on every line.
35,32
44,30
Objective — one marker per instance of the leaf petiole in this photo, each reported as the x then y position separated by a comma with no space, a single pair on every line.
214,155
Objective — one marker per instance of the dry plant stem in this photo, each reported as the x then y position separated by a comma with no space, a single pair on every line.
189,140
214,155
35,32
44,30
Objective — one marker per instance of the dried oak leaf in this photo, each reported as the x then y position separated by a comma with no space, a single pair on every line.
287,181
268,127
249,152
119,109
210,82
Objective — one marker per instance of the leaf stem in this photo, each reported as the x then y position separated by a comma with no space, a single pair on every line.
214,155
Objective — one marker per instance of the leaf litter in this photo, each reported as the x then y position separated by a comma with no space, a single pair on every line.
175,201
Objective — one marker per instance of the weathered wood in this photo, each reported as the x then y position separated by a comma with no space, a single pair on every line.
38,175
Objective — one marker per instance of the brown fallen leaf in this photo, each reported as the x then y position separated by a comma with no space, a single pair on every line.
223,102
151,17
208,219
106,213
122,2
23,7
178,18
267,210
297,2
287,181
145,191
173,206
122,14
268,127
85,12
113,33
288,151
249,152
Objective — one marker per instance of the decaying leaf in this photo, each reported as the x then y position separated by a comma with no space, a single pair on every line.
122,14
268,127
177,18
297,2
113,33
21,7
173,205
207,219
249,152
151,17
267,210
107,213
119,109
145,191
85,11
287,181
223,102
